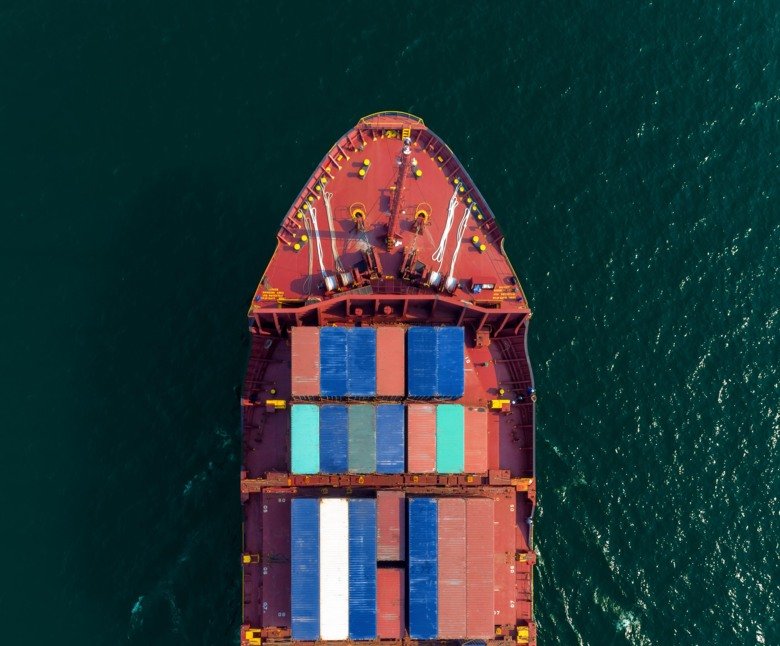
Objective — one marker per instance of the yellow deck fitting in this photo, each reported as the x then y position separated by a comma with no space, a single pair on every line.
253,638
418,173
357,209
522,484
522,635
406,132
475,240
366,162
299,215
297,246
304,238
499,404
482,248
276,404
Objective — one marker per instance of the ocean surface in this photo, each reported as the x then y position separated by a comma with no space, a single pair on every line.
630,151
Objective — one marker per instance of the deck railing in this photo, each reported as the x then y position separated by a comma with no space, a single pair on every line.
390,115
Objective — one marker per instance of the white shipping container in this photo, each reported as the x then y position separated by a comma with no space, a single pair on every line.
334,568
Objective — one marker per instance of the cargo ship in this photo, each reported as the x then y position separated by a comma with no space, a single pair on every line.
388,409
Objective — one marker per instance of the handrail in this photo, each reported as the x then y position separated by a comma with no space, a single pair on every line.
392,113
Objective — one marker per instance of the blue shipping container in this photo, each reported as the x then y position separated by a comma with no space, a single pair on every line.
333,361
305,566
362,568
361,362
450,348
421,363
390,438
423,568
333,438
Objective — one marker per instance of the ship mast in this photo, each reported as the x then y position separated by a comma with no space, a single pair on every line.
404,163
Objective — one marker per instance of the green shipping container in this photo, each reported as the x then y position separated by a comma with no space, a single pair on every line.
362,439
450,439
305,438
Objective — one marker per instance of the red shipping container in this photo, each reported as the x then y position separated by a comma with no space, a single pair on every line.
452,568
479,568
476,440
390,525
305,368
390,361
390,603
421,438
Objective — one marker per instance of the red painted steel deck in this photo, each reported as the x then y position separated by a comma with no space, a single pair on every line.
392,287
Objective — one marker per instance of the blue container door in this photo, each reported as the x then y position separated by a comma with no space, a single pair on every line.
390,438
450,361
362,568
361,362
305,568
423,568
421,364
333,361
333,438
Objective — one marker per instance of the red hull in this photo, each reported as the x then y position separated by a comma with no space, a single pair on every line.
378,255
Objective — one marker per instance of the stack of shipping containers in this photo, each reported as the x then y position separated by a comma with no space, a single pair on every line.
450,568
391,554
339,438
435,358
333,568
357,573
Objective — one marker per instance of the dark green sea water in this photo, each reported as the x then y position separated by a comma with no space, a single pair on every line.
630,151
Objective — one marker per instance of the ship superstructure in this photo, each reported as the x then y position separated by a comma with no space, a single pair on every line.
388,480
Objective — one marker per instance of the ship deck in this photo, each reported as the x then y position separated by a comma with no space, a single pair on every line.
376,263
295,273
